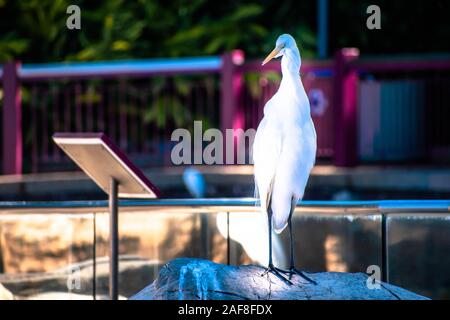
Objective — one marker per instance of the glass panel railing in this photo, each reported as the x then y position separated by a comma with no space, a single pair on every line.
60,250
419,253
149,239
47,256
343,242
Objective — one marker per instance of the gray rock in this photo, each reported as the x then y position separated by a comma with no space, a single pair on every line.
198,279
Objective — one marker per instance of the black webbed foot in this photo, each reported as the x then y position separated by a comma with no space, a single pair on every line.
293,270
277,273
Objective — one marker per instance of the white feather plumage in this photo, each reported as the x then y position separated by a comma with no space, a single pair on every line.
284,148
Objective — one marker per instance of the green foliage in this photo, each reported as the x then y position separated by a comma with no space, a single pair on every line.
254,80
32,29
218,35
35,30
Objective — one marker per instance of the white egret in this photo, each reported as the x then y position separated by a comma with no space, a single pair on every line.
284,149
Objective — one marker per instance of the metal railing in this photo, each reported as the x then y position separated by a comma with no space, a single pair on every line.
379,219
138,103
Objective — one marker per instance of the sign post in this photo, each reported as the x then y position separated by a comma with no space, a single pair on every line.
111,170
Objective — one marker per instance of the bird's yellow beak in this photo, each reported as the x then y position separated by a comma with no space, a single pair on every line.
272,54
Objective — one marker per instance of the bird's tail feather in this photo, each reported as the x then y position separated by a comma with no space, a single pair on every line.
279,228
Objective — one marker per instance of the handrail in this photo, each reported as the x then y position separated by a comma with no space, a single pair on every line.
146,67
121,68
384,206
126,68
404,63
323,67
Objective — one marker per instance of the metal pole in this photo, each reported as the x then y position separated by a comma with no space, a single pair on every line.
12,119
228,239
113,240
94,258
322,28
204,239
384,250
346,104
232,84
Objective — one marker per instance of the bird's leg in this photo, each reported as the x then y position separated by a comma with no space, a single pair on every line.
271,268
292,268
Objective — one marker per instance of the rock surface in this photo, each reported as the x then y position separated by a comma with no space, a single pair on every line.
198,279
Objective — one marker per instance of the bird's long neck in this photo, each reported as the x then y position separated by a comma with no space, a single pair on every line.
291,83
290,69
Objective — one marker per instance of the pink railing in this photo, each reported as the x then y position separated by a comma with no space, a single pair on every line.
136,103
139,103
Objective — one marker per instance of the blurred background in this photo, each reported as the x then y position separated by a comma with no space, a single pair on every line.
137,70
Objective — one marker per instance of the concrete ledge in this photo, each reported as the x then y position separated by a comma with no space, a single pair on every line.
374,178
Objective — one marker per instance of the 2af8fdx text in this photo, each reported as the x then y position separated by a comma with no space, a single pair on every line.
226,309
